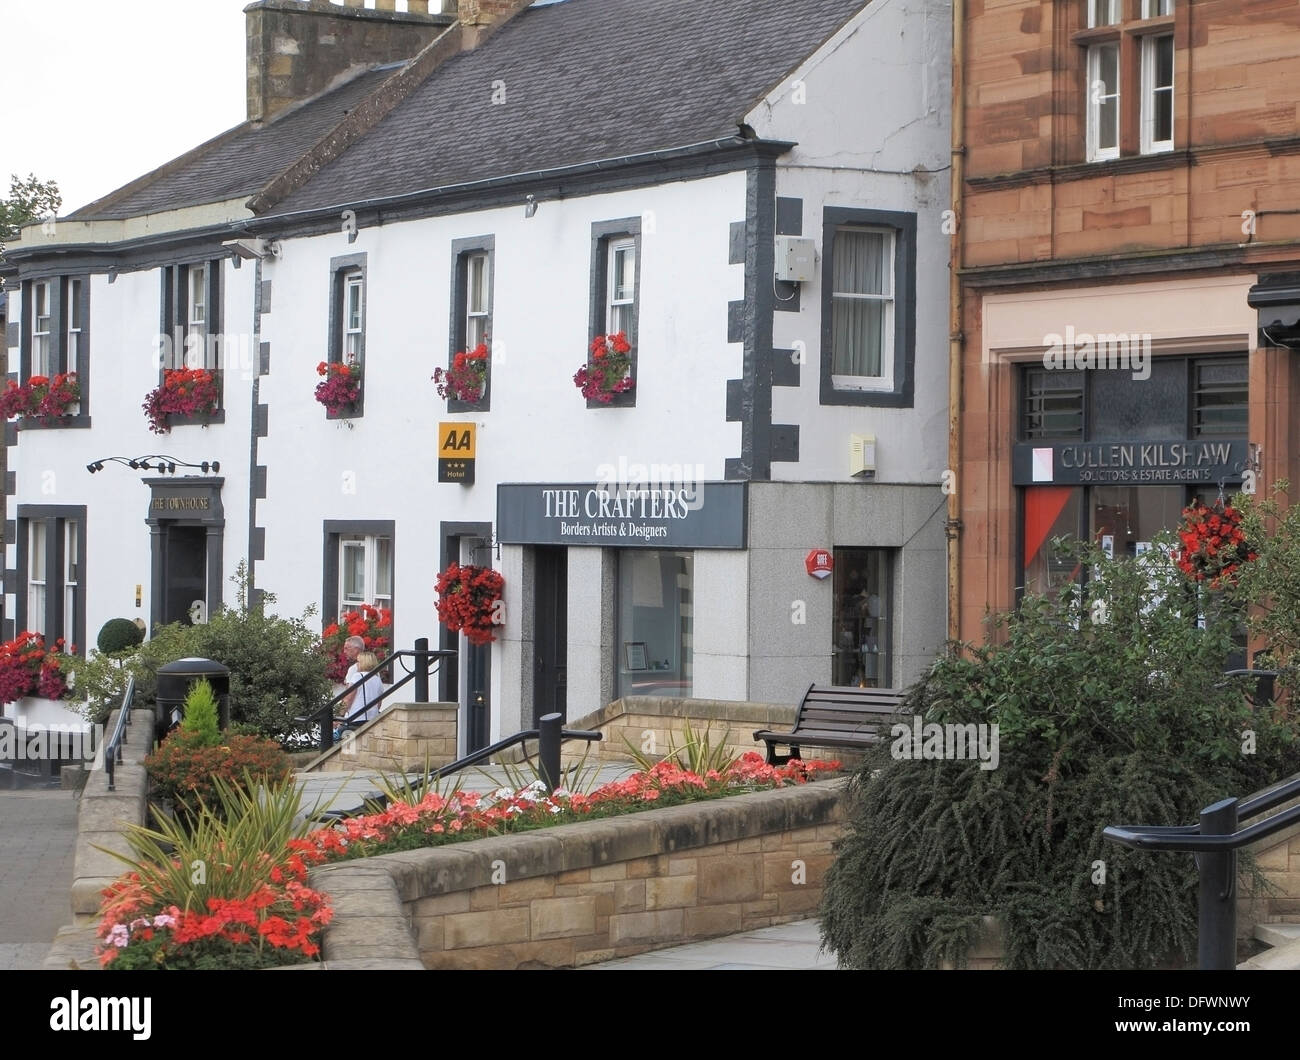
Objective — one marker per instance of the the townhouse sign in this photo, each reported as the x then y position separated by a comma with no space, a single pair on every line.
700,515
1130,463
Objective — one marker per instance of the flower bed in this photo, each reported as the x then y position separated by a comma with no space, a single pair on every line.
189,392
459,816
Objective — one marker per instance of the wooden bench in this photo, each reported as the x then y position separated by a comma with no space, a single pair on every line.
830,716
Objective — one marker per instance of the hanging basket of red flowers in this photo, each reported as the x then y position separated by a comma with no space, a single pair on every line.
340,389
41,396
190,392
466,379
470,601
1212,544
374,625
608,368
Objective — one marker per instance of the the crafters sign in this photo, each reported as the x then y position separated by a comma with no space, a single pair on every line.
1130,463
707,515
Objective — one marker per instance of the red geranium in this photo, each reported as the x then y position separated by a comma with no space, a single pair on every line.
41,396
28,669
184,392
340,390
374,625
608,368
469,601
1212,545
467,377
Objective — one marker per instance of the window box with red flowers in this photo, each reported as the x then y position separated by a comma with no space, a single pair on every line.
185,395
374,625
471,601
46,399
32,675
339,389
607,375
465,383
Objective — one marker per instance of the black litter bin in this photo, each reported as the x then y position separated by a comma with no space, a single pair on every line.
174,683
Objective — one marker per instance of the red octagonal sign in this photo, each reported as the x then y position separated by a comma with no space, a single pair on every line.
819,563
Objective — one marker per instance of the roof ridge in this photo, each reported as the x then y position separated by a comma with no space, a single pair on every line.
455,40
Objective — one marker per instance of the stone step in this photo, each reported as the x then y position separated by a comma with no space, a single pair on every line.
1285,958
1276,934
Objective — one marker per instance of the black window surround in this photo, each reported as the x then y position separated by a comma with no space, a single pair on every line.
55,517
61,288
605,234
903,226
340,268
174,327
458,339
335,531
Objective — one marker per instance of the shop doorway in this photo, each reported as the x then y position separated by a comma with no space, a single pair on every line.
551,632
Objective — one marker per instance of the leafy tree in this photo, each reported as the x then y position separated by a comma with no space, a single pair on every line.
1112,708
28,200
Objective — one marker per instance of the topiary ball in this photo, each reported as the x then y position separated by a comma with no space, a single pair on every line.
118,634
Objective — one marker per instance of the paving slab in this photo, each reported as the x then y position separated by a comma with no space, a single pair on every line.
788,946
38,831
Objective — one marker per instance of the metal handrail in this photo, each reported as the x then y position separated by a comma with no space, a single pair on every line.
1217,838
420,674
113,749
549,734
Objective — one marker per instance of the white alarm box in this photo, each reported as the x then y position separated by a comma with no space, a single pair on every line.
796,259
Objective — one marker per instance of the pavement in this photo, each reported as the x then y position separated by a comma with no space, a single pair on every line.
787,947
38,831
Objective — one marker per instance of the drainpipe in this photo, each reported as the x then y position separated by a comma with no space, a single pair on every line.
956,340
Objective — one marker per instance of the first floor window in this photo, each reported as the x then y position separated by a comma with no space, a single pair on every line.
191,311
860,650
1156,8
71,581
1103,12
862,307
365,571
478,306
353,308
37,554
621,294
1157,94
655,624
42,362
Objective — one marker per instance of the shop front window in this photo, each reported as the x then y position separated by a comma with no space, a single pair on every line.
861,650
655,623
1051,512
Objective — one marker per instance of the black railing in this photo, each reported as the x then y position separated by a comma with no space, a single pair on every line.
424,662
113,748
550,735
1264,683
1216,839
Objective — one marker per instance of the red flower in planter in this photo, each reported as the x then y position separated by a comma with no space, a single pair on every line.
467,377
191,392
1212,545
606,372
41,396
469,601
340,390
374,625
27,668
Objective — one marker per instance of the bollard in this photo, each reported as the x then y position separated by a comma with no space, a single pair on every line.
1217,945
422,670
548,749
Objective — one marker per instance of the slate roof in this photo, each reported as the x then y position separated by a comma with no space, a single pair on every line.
584,80
239,162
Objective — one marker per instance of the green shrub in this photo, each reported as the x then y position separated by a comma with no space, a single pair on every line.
202,715
187,769
1112,708
118,635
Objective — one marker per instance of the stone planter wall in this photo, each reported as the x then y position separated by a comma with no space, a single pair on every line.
397,741
575,894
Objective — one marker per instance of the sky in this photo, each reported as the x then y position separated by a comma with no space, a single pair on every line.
99,92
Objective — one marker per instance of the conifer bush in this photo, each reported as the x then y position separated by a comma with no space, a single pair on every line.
1112,708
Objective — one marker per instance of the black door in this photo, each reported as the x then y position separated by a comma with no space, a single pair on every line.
185,568
551,631
478,658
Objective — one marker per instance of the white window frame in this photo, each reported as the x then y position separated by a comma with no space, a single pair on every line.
1095,152
1150,145
42,358
352,338
885,380
37,596
196,316
1151,8
370,595
71,580
617,308
75,323
1103,13
478,310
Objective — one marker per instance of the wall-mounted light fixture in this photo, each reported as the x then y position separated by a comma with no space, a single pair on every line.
252,249
530,206
164,465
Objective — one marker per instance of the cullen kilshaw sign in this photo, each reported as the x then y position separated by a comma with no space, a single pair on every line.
703,515
1130,463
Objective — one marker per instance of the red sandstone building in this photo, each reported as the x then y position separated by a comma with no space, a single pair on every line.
1126,321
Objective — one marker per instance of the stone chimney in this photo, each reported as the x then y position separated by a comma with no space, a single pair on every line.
296,48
